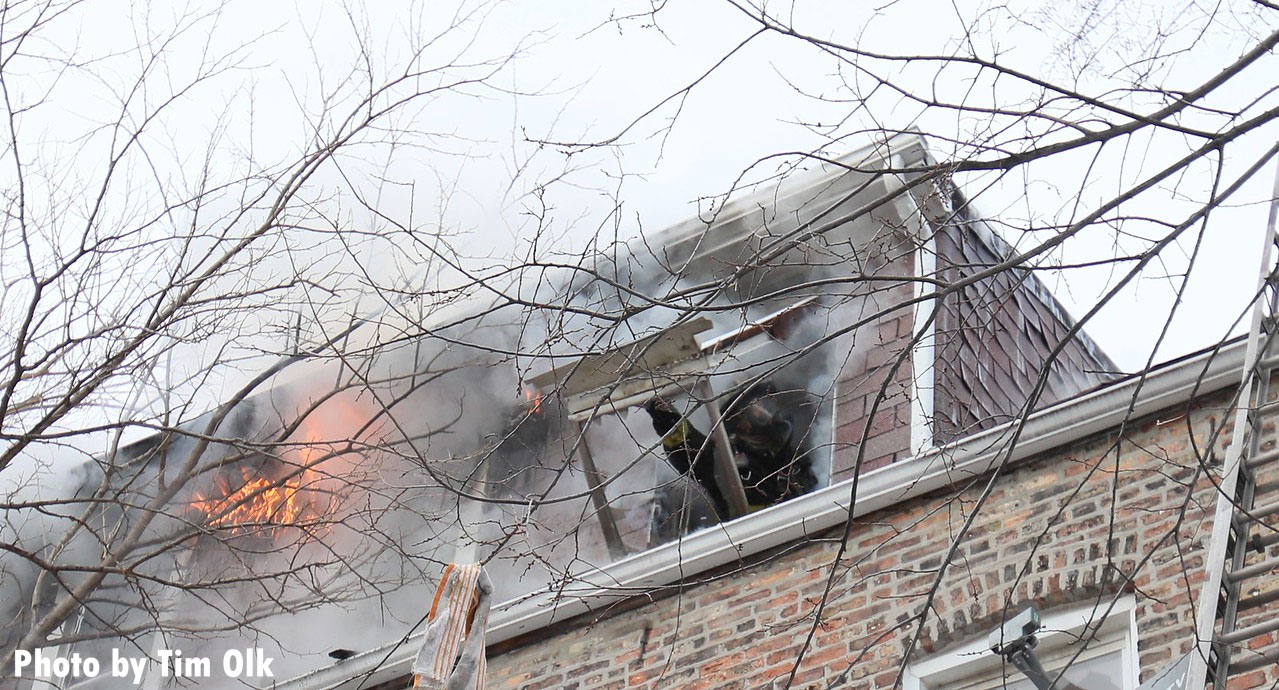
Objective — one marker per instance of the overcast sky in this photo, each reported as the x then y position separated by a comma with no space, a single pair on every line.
581,77
592,78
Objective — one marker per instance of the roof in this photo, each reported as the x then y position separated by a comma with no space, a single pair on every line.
998,337
817,198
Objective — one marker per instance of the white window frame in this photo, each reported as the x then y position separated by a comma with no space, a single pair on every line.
972,661
917,221
924,357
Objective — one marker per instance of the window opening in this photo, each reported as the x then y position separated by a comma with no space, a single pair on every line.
751,453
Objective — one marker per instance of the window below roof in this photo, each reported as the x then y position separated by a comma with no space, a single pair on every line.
1099,650
1100,667
658,396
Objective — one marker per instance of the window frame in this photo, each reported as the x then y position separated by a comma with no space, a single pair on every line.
972,662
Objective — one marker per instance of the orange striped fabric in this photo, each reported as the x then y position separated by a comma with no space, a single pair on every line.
452,654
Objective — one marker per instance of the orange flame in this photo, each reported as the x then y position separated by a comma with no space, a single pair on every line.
294,492
259,501
534,399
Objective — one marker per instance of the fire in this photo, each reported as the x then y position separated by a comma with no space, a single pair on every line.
288,490
258,501
534,399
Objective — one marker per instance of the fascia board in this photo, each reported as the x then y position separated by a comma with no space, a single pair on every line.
903,150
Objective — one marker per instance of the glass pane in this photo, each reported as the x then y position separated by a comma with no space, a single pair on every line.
1103,672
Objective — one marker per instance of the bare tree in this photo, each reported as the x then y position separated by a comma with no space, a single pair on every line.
283,391
167,267
1150,123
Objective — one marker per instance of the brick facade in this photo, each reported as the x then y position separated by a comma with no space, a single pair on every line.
991,339
874,352
1057,530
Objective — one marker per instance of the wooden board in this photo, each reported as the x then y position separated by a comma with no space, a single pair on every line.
654,353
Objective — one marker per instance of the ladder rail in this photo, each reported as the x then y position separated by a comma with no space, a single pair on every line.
1223,546
1231,585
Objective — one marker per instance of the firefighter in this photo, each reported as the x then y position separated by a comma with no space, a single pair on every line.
769,456
687,450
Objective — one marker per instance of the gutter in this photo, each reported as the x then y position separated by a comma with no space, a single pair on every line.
1164,387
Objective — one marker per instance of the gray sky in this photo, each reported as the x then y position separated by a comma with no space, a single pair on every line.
582,77
772,95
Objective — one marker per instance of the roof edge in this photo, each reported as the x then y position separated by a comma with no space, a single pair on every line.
909,144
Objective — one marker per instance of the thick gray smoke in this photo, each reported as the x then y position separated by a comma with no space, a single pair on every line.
436,452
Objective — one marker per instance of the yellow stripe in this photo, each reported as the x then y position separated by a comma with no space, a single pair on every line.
676,437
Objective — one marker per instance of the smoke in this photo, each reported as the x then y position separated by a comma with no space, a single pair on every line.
437,451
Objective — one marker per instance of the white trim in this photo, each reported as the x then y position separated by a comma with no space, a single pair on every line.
924,358
918,224
807,515
973,659
778,201
824,478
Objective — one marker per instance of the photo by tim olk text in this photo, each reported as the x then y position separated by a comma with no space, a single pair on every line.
169,663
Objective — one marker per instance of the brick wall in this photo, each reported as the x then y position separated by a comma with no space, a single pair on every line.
992,338
1054,531
869,356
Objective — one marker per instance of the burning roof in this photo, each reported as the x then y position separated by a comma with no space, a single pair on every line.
493,429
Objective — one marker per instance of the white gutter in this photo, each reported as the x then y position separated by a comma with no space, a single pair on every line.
1069,421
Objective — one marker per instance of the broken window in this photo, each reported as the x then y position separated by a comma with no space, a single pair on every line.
731,429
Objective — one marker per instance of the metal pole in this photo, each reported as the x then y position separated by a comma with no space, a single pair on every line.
1024,659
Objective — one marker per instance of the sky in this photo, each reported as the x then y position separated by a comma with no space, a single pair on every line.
587,80
689,110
